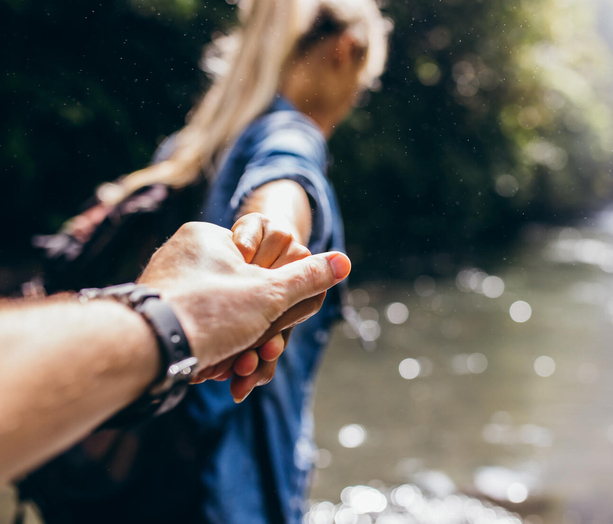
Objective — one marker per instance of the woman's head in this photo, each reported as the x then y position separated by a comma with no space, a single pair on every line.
359,20
341,52
274,41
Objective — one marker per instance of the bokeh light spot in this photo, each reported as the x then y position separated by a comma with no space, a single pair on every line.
370,330
359,298
397,313
544,366
409,368
517,493
520,311
352,436
493,287
507,186
477,363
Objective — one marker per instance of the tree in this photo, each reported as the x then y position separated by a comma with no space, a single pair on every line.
490,114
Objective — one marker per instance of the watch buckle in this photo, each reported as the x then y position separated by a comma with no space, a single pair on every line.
182,368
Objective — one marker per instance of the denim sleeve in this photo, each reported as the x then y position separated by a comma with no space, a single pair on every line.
290,150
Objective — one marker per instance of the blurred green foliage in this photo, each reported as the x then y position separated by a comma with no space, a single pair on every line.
490,114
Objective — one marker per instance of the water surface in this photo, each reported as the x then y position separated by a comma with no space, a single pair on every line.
505,397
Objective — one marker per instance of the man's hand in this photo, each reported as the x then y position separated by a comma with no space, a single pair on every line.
226,305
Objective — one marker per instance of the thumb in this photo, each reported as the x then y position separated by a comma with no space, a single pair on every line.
311,276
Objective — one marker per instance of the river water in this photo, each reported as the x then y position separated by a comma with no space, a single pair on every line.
498,385
490,389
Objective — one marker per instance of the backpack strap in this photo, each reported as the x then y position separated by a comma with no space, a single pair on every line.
79,250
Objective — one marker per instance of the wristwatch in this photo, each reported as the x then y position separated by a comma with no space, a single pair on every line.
178,363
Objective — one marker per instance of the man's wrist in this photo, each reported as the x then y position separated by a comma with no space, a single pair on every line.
178,365
138,355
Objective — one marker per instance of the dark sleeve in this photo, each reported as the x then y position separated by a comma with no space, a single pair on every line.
289,150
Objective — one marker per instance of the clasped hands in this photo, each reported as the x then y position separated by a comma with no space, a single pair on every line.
239,293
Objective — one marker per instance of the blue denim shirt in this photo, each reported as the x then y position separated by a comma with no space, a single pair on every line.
259,453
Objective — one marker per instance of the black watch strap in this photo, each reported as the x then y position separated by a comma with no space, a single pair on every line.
178,362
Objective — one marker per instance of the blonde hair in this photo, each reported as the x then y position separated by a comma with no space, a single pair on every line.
246,67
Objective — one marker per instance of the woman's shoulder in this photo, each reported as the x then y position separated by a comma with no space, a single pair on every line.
283,129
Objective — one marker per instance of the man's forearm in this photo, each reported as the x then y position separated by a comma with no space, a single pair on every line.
66,367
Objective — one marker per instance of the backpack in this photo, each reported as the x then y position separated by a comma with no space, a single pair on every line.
107,245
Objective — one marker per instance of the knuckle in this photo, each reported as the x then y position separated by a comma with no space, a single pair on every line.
302,250
262,219
247,247
249,217
286,236
297,251
189,228
281,236
255,217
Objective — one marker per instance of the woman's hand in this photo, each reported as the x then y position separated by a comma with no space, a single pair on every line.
263,244
266,245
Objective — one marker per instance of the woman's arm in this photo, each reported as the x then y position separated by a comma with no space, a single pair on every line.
286,204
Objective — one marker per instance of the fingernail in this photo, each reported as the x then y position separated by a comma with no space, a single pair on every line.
340,265
240,401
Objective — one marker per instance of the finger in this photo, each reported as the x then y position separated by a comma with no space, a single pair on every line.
241,387
295,315
200,377
274,242
203,375
286,334
270,354
224,376
272,349
247,363
213,372
247,234
222,368
292,253
310,277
